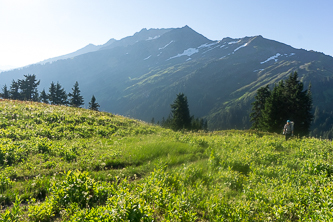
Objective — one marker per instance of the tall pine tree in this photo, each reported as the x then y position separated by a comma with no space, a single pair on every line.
287,101
76,99
273,116
5,92
28,87
52,94
44,97
92,104
57,94
258,106
181,118
61,95
14,92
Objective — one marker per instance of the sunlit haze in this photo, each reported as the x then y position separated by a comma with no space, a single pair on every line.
35,30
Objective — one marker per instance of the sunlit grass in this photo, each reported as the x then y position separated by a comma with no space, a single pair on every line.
66,164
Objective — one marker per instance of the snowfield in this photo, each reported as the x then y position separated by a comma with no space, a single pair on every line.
147,57
276,56
272,58
242,46
187,52
152,38
166,45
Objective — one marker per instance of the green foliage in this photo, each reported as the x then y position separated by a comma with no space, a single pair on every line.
28,87
42,212
23,89
44,97
258,106
5,92
76,99
78,188
14,91
5,182
14,214
286,101
92,104
180,113
69,164
180,119
57,95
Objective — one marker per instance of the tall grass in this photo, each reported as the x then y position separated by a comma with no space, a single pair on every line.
67,164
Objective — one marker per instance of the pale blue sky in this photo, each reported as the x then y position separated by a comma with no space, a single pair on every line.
34,30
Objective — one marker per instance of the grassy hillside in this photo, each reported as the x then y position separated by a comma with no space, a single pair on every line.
70,164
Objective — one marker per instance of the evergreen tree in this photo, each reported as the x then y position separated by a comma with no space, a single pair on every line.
258,106
14,92
287,101
57,94
28,88
181,118
5,92
273,116
52,94
44,97
299,104
76,99
92,104
163,122
61,95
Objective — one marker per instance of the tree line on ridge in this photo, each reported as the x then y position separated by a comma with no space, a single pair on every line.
26,90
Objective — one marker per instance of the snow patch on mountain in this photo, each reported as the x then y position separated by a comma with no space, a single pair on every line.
187,52
272,58
166,45
258,70
234,42
207,45
147,57
291,54
152,38
242,46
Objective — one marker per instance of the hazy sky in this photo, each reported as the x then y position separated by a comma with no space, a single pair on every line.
34,30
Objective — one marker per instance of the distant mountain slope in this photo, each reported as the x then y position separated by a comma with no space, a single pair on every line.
84,50
140,75
144,34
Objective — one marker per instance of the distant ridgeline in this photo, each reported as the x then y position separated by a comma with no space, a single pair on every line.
140,76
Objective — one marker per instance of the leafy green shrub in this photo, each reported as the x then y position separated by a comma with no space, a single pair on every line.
44,145
78,188
14,214
214,160
233,179
42,212
5,182
38,187
11,152
49,164
69,154
113,213
318,167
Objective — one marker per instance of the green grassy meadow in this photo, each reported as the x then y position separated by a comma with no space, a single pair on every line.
70,164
